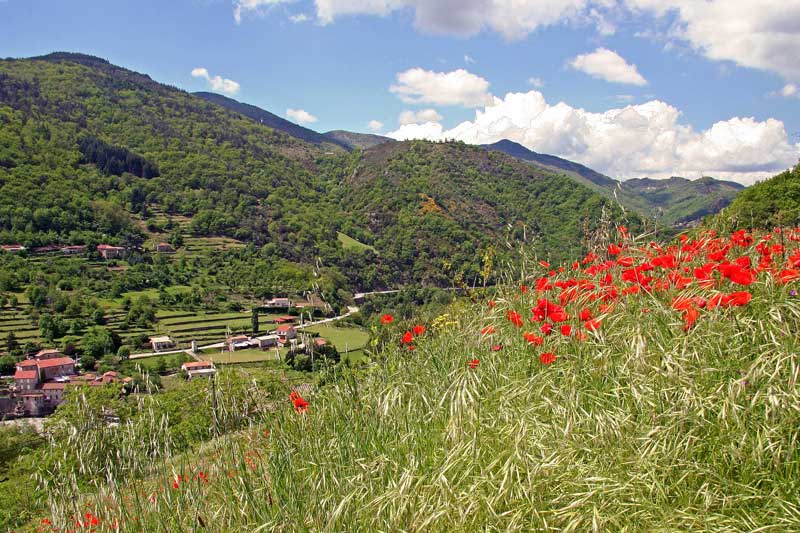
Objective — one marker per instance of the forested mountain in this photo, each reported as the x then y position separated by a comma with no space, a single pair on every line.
273,121
88,150
674,202
358,140
771,203
678,201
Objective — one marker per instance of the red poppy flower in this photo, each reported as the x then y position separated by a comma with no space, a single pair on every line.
585,314
547,328
547,358
523,289
534,339
473,364
515,318
488,330
740,298
418,330
544,264
566,330
492,304
387,319
592,325
497,347
408,337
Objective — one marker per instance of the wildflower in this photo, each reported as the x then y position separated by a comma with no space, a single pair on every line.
492,303
585,314
533,339
544,264
547,328
418,330
300,405
488,330
497,347
387,319
408,337
523,289
547,358
566,330
473,364
740,298
515,318
592,325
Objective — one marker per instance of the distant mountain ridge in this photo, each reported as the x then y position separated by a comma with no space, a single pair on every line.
271,120
675,201
358,140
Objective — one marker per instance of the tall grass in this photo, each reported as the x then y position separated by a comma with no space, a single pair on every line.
641,427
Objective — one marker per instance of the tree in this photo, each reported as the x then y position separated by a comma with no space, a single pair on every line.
52,327
11,342
7,365
99,341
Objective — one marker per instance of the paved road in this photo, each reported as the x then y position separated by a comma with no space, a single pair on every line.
350,310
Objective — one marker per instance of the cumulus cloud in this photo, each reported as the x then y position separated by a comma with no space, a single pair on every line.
216,83
301,116
240,7
425,115
297,19
608,65
513,19
761,34
632,141
468,59
375,125
789,90
459,87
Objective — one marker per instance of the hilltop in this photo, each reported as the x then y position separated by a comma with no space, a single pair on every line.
773,202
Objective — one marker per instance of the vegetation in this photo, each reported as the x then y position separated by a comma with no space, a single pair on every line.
775,201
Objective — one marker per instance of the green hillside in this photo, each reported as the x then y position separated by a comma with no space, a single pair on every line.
771,203
619,395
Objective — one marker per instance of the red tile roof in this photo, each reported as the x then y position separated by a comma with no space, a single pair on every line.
47,351
54,386
58,361
28,362
197,364
284,328
26,374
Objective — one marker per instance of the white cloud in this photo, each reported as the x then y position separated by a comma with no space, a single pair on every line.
632,141
217,83
536,82
375,125
513,19
300,17
301,116
419,117
468,59
607,65
761,34
240,7
459,87
789,90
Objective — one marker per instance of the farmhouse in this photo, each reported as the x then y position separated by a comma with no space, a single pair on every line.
12,248
199,369
26,380
238,342
48,353
266,341
163,342
278,303
56,367
285,333
110,252
285,320
163,247
73,250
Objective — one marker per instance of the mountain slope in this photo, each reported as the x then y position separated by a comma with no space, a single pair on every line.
358,140
771,203
271,120
678,201
675,201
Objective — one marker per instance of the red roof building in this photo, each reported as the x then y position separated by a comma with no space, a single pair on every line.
26,380
109,252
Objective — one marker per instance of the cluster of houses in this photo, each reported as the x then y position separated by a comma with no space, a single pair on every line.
39,383
106,251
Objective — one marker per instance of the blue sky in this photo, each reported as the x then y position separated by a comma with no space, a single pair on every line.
641,82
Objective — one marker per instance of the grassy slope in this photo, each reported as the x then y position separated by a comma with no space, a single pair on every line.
641,427
775,201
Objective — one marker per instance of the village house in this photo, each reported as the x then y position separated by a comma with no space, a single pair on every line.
110,252
285,320
33,403
278,303
12,248
57,367
73,250
47,353
163,342
54,392
199,369
163,247
237,342
266,341
285,333
26,380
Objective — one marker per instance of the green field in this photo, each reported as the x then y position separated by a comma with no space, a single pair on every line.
345,339
242,356
349,243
